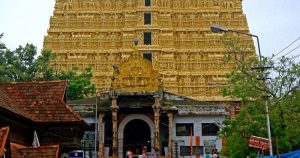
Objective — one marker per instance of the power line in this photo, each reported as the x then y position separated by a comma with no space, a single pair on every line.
294,57
289,52
286,47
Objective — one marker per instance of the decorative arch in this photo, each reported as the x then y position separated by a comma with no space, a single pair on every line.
136,74
123,124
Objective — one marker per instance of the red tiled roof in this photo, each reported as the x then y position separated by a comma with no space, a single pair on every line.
39,101
20,151
10,105
3,136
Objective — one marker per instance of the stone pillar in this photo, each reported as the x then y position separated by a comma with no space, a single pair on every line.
170,117
101,134
115,108
156,109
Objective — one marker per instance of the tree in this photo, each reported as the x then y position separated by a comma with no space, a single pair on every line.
246,86
3,71
2,45
18,65
79,86
42,64
21,65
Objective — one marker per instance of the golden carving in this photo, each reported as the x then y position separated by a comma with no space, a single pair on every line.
135,74
98,34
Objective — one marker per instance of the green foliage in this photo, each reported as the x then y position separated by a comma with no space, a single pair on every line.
250,121
79,86
2,45
20,65
285,115
44,71
284,105
3,70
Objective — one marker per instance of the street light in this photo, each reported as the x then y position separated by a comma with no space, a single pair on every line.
96,126
216,29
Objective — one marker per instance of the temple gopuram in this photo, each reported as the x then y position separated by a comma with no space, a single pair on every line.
161,92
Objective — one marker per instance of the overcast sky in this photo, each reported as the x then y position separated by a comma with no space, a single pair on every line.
276,22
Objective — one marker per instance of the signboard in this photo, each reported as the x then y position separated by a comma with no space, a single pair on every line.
197,150
76,154
258,142
152,155
209,145
186,150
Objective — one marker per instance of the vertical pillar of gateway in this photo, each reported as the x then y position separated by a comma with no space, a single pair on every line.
101,134
115,108
171,118
156,109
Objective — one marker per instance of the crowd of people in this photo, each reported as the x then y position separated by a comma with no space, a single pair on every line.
129,153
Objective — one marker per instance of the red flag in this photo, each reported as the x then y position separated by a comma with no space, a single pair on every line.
191,141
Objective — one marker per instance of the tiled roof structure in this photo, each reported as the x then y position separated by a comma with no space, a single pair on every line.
38,101
20,151
3,136
10,105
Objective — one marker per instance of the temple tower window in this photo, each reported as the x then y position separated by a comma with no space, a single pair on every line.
147,56
147,38
147,3
147,18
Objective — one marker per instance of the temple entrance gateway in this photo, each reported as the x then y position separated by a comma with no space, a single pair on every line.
134,131
136,135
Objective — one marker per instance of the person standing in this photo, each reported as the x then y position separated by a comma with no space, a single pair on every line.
129,154
214,155
207,154
144,152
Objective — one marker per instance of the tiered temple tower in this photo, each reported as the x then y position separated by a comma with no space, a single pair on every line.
173,34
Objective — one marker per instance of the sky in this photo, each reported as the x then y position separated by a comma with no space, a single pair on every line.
275,22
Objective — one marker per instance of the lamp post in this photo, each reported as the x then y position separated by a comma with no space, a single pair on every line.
96,127
216,29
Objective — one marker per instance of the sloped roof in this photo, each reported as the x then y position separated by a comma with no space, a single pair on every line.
50,151
38,101
7,103
3,136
